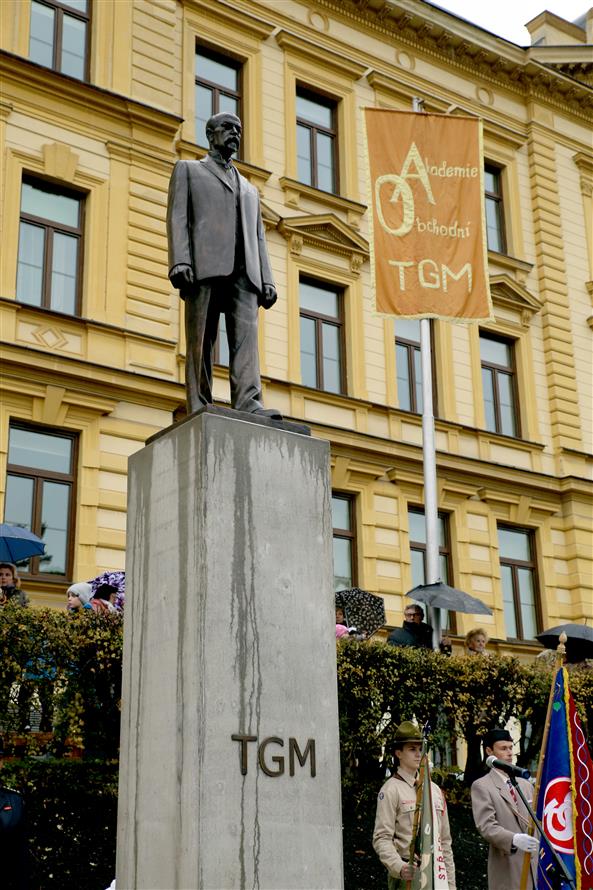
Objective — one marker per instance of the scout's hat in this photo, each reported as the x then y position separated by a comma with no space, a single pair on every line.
496,735
407,732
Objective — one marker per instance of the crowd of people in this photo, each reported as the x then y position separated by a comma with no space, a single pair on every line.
103,595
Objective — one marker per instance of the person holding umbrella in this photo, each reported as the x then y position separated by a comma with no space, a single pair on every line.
9,586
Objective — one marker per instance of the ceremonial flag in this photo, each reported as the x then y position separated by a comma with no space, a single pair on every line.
426,846
426,190
564,804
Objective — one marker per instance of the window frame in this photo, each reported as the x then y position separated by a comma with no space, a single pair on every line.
509,371
237,64
347,534
514,565
306,92
498,199
320,319
39,476
444,550
50,227
410,346
62,7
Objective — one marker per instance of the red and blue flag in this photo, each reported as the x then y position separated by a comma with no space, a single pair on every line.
564,803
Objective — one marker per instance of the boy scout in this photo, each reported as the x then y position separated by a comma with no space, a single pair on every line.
396,805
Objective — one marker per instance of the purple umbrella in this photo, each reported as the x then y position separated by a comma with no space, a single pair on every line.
117,580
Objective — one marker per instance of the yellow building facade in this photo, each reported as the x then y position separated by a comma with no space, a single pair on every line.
101,97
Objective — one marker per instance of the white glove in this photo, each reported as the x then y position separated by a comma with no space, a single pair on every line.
525,842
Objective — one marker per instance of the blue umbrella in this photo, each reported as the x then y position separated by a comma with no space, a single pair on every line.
18,543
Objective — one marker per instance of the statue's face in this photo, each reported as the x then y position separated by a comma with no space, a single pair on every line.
225,136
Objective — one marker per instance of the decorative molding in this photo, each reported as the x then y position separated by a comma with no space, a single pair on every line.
509,293
270,218
328,232
6,108
311,53
457,44
59,161
45,85
227,17
520,268
120,150
584,164
294,190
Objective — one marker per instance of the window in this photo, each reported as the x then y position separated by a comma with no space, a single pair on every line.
218,88
316,140
322,365
417,532
50,247
499,385
494,209
409,366
59,36
417,527
519,582
344,537
40,494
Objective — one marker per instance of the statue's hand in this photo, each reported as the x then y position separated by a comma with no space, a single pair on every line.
181,276
268,296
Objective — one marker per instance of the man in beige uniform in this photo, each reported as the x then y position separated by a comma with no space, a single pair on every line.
396,804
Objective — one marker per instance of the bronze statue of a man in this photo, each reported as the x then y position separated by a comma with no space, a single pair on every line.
219,262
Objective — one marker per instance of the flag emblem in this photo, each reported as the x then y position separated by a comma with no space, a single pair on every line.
557,819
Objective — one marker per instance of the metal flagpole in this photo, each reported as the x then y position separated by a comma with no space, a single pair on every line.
430,468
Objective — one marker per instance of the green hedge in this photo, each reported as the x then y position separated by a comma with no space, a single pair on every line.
64,670
70,666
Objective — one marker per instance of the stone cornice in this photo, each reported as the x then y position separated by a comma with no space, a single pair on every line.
327,232
309,51
512,295
230,17
80,95
464,46
294,190
80,321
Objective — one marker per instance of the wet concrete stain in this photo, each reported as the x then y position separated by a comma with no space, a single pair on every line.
138,600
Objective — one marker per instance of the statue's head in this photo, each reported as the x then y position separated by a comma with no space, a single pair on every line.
223,132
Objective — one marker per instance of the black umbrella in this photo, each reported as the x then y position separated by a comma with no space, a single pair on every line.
579,643
363,610
441,596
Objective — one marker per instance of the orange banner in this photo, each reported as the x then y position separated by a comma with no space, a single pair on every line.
426,190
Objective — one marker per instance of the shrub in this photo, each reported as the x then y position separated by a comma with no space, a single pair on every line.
65,671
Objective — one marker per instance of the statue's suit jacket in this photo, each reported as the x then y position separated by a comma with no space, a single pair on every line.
201,223
498,818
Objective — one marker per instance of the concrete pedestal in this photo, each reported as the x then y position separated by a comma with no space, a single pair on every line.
230,765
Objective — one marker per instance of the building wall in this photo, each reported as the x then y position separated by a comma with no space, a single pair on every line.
115,374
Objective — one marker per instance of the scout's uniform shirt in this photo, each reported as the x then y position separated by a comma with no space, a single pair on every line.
394,824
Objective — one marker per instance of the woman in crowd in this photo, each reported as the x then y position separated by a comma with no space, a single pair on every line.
9,585
476,641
